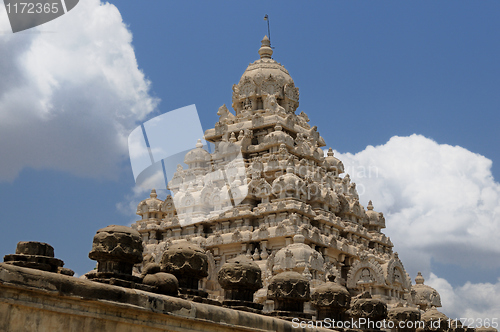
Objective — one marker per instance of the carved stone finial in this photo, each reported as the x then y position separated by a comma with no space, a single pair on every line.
265,50
153,193
199,144
187,262
419,279
330,152
299,238
368,308
240,277
116,249
289,290
370,206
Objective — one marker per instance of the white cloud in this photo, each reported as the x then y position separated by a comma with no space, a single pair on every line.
476,301
70,93
440,201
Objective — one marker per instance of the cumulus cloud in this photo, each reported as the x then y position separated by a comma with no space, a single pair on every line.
440,201
472,300
70,93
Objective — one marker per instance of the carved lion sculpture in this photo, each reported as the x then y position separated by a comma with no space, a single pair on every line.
271,103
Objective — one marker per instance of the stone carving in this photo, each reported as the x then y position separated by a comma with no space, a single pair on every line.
163,283
37,255
116,249
289,290
224,114
291,92
271,104
331,301
365,273
187,262
435,321
366,307
424,296
240,278
285,203
266,193
402,314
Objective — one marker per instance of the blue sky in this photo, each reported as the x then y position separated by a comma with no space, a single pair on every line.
367,71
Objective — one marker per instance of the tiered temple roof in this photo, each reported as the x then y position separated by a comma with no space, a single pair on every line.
269,191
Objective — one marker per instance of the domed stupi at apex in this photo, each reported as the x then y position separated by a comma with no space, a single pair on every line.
285,206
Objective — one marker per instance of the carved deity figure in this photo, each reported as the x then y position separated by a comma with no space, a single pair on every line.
365,276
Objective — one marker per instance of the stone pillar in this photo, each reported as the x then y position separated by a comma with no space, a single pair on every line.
289,291
240,278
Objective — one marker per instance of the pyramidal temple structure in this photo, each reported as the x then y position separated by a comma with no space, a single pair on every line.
265,233
269,192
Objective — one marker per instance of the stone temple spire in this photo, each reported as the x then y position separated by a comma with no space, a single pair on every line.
265,50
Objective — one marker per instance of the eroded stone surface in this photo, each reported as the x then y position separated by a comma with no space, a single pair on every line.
240,278
37,255
424,296
116,249
117,243
435,321
34,248
33,300
331,300
165,283
403,315
289,290
187,261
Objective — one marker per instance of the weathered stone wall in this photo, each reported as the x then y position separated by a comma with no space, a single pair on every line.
32,300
